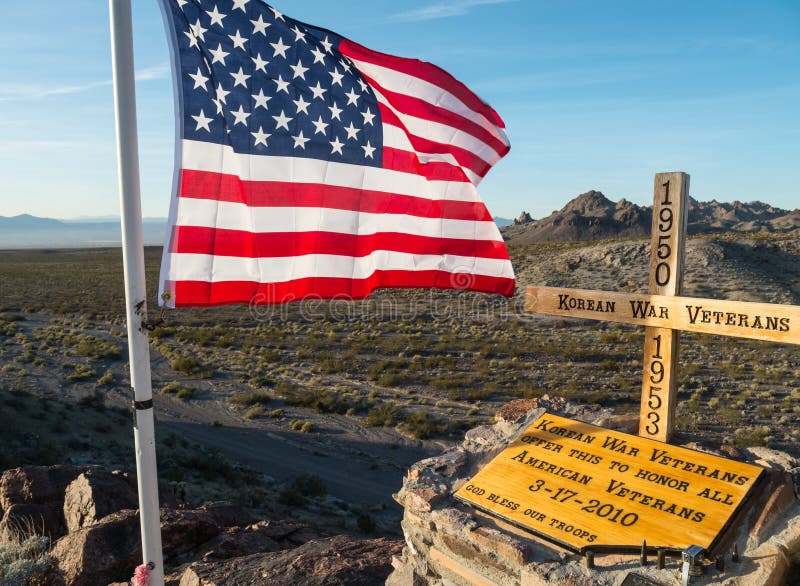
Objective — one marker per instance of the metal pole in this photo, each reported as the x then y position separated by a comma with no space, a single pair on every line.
135,288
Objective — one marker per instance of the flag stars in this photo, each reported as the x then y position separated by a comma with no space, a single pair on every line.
320,126
352,97
216,17
302,105
368,150
282,121
336,145
318,92
260,137
278,15
327,45
240,78
259,26
336,77
300,141
192,39
259,64
298,34
261,100
345,65
283,86
280,48
202,122
240,117
368,117
362,84
219,55
238,41
335,112
200,80
319,56
352,131
241,4
198,31
299,70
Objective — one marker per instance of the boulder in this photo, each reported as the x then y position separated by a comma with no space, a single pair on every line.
95,494
102,553
340,560
184,530
29,518
37,485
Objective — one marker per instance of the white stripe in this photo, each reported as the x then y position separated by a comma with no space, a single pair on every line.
204,267
395,137
402,83
217,158
238,216
442,133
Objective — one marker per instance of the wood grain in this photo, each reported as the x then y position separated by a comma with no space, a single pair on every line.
758,321
583,486
667,242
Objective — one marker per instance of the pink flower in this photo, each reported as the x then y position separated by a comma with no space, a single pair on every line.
141,577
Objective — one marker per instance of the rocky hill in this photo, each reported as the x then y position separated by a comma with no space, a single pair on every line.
592,216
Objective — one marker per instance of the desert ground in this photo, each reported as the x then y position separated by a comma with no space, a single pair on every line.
315,410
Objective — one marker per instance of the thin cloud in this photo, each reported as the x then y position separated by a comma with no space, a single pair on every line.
442,10
17,91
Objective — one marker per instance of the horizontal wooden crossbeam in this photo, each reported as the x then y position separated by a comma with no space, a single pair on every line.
759,321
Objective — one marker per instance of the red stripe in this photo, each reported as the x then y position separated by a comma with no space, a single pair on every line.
238,243
224,187
202,293
464,157
408,162
427,111
423,70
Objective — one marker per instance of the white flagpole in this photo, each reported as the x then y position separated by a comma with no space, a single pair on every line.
135,288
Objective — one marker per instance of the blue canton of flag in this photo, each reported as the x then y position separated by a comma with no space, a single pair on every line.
264,83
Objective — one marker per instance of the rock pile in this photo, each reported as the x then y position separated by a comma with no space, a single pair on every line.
90,515
448,543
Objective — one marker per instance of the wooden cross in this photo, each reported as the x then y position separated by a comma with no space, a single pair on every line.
664,312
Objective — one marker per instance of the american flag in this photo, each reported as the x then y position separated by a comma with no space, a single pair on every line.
309,165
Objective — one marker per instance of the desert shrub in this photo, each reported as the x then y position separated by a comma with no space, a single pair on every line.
423,425
383,415
365,523
106,379
320,400
187,365
297,492
253,412
93,347
80,372
96,401
307,427
249,398
25,561
180,391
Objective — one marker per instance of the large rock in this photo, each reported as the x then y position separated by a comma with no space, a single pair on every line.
41,489
341,560
184,530
95,494
105,552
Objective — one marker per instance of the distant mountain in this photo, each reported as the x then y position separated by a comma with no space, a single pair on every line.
503,221
592,216
26,231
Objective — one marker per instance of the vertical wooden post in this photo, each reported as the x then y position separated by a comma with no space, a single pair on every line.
659,383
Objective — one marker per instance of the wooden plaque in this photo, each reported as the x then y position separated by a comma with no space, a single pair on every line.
583,486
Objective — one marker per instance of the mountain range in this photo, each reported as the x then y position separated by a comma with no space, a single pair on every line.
592,216
26,231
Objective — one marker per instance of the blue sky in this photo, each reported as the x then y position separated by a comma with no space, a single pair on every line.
595,95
